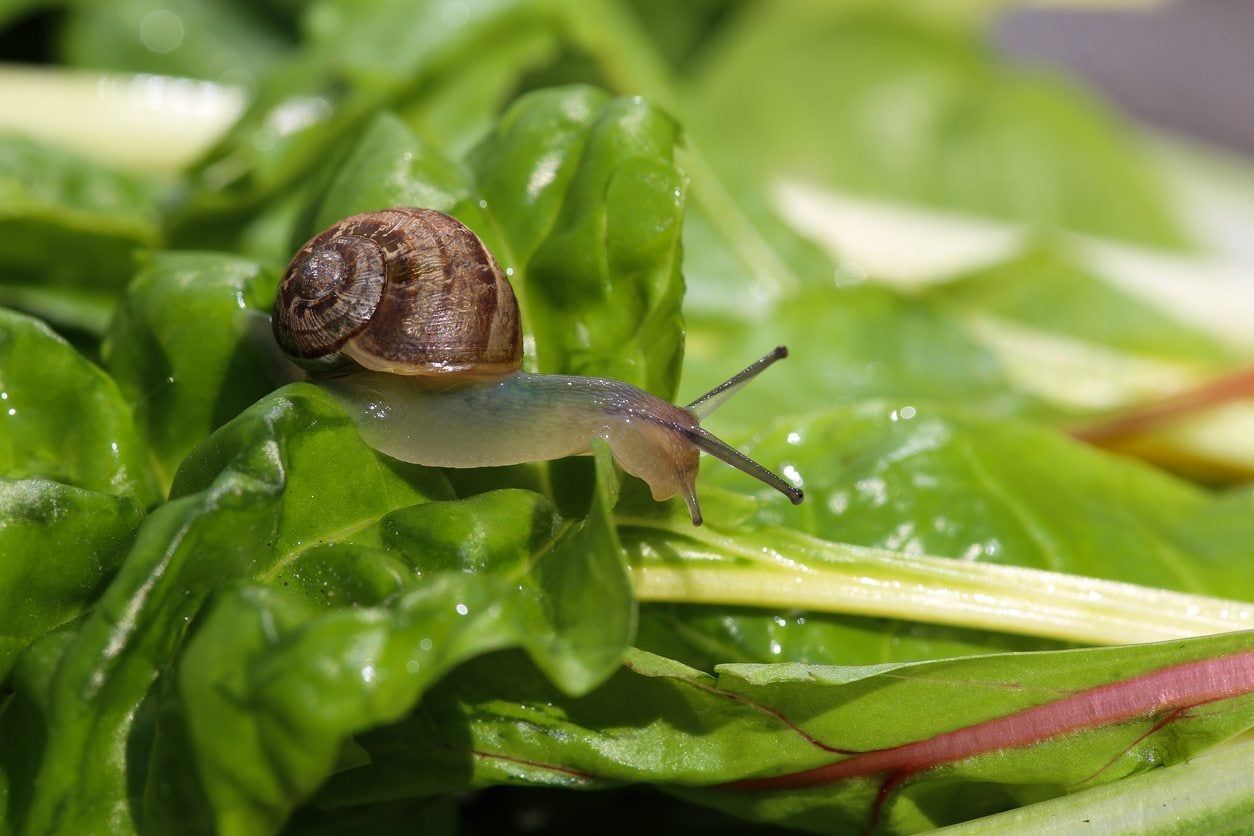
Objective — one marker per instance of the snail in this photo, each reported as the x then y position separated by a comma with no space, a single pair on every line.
408,320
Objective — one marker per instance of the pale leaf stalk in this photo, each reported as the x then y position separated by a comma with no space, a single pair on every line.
142,122
791,570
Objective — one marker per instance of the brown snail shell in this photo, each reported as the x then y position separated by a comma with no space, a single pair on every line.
403,290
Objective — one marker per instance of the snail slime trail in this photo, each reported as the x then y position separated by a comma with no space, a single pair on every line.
407,319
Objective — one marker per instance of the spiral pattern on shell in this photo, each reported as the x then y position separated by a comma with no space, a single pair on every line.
409,291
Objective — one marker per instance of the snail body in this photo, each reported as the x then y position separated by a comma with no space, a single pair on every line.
519,418
407,319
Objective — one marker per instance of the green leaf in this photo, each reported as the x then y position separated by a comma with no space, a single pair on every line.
304,612
846,344
69,222
604,285
681,29
354,61
462,103
925,479
388,167
183,348
287,474
364,42
999,730
931,481
274,687
63,419
58,547
706,636
15,10
1060,334
24,721
921,113
1042,288
218,40
79,315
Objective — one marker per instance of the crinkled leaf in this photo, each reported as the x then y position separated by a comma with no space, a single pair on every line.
58,547
389,166
24,721
183,348
64,419
610,261
273,686
287,474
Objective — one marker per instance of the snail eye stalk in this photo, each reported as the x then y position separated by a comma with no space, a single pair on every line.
716,447
716,397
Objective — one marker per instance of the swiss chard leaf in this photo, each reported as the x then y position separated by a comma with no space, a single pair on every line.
219,40
1044,289
501,569
285,475
63,418
69,223
928,480
388,166
58,547
846,344
1000,730
182,348
924,479
1045,332
300,590
919,112
783,569
287,512
1048,332
706,636
341,78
